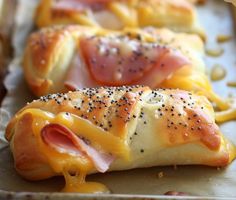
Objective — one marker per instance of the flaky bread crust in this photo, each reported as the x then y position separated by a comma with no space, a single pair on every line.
160,127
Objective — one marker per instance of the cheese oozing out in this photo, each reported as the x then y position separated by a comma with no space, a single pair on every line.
75,167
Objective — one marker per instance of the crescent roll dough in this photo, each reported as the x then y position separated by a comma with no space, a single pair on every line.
59,58
101,129
179,15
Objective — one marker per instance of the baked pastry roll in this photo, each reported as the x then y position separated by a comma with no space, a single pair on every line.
61,58
179,15
114,128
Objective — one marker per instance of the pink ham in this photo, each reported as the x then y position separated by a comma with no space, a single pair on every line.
64,140
115,61
79,5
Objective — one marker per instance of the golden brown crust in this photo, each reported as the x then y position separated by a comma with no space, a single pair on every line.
198,1
25,150
47,55
101,113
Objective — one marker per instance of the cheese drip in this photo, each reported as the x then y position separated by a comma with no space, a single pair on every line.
225,116
80,165
220,103
77,183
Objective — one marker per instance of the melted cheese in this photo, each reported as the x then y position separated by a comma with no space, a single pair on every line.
220,103
85,20
82,127
63,163
77,183
199,82
227,115
126,14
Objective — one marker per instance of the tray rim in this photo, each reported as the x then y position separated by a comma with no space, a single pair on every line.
72,196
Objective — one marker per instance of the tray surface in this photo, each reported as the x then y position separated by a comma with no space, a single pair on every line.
196,180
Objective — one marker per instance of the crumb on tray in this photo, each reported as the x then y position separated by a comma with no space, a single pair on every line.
218,72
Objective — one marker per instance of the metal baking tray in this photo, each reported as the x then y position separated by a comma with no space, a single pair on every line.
198,181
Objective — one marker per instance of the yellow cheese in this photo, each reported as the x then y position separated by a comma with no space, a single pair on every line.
77,183
63,163
126,14
199,82
227,115
82,127
85,20
220,103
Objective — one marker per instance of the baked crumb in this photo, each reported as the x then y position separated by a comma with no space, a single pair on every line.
160,174
223,38
218,72
215,52
231,83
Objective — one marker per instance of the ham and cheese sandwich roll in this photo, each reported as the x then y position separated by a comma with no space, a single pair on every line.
68,57
114,128
179,15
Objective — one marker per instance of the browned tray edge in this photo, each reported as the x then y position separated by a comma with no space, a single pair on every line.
75,196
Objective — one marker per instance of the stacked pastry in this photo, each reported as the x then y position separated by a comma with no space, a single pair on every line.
100,118
179,15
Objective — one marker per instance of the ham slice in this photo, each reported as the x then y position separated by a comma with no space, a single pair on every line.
64,140
119,60
80,5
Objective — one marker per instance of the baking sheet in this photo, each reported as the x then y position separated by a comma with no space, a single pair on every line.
17,94
195,180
